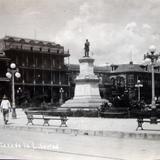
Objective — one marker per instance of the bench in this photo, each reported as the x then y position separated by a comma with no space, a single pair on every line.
152,120
46,117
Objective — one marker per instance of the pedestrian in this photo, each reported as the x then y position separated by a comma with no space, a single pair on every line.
5,108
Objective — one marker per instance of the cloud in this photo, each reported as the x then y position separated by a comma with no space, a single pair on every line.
131,27
146,26
115,28
109,42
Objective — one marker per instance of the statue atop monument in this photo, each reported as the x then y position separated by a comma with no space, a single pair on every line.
86,93
86,48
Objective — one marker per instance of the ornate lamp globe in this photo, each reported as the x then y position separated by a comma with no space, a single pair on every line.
17,74
138,81
13,65
61,90
147,61
8,75
152,49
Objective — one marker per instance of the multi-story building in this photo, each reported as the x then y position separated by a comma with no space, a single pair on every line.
4,81
124,77
43,73
42,68
117,80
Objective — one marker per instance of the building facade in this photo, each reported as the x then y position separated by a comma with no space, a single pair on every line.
4,81
124,77
42,68
120,80
44,73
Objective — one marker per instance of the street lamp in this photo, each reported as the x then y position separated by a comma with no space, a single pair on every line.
13,71
61,96
139,85
153,58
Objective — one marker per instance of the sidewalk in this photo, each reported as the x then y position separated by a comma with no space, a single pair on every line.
87,126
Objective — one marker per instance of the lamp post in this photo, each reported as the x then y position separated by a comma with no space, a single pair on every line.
153,58
61,96
13,71
139,85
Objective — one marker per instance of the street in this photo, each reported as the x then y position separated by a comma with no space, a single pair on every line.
34,145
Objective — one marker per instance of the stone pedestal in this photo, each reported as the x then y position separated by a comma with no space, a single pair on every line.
86,93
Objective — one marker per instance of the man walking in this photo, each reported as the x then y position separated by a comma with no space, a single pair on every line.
5,108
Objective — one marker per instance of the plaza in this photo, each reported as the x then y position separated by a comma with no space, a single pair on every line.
105,127
80,79
84,138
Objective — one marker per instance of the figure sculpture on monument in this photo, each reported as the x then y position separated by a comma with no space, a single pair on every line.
86,93
86,48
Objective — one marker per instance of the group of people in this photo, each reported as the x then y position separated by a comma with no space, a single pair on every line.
5,108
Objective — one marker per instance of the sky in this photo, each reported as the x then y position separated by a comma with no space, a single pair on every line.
118,30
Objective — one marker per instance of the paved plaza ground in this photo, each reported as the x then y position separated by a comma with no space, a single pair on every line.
88,126
39,146
84,138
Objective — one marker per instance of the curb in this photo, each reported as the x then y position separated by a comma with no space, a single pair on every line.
75,132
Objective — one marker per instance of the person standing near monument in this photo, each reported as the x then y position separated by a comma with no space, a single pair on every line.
86,48
5,108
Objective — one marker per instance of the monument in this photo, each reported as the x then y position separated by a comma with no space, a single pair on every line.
86,95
